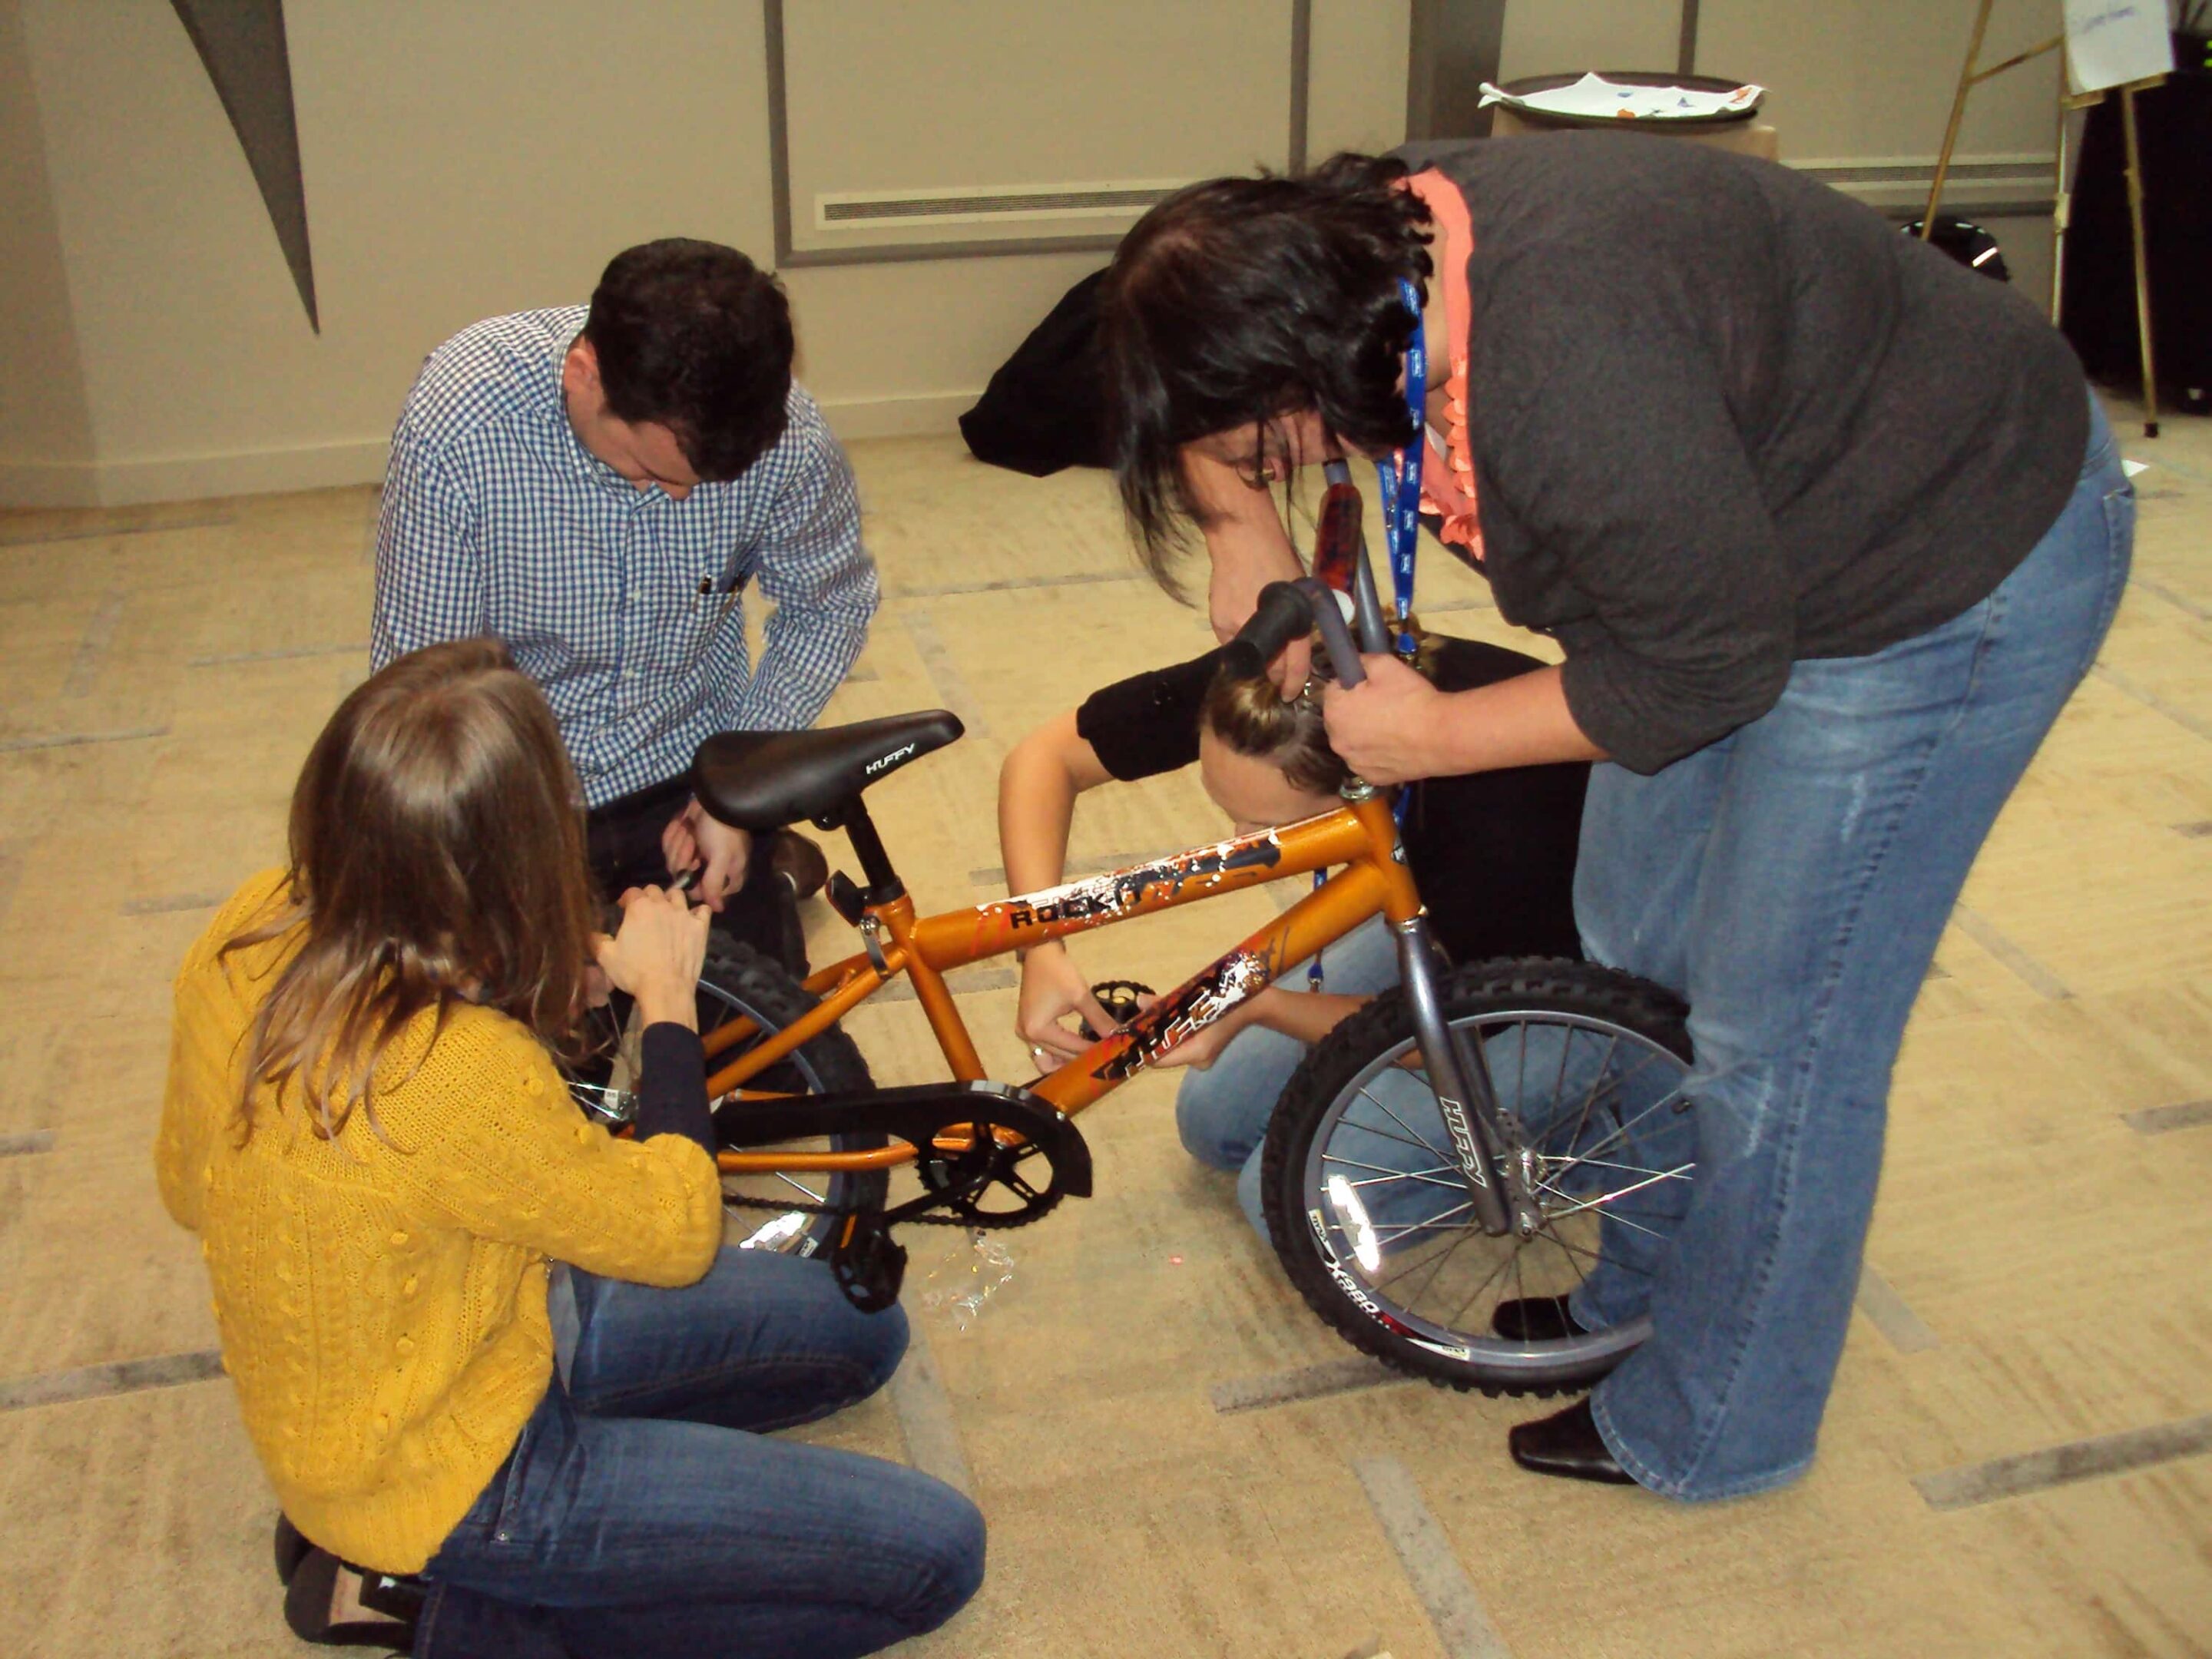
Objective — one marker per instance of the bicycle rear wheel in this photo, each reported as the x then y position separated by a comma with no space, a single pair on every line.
739,982
1373,1224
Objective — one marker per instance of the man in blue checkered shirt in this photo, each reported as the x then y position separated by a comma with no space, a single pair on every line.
596,487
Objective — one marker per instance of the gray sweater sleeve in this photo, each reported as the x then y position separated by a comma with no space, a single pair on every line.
1614,444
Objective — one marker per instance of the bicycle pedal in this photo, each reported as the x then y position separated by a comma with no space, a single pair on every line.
868,1264
1121,999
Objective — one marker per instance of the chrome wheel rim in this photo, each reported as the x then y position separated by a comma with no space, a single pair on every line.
1601,1135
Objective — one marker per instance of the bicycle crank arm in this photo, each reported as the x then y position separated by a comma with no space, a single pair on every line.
1464,1099
918,1115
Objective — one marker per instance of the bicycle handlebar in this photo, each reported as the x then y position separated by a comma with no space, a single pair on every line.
1281,615
1286,611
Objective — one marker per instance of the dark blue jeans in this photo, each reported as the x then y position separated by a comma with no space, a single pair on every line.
643,1513
1791,882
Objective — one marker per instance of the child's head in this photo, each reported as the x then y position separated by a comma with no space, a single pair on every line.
1267,762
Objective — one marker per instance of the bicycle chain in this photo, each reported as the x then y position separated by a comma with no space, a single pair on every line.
921,1219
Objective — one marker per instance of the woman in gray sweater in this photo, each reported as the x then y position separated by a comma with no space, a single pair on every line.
1828,529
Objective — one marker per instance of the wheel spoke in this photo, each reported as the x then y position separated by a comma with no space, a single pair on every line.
1384,1172
1395,1140
1596,1257
1600,1163
1398,1230
1600,1104
1460,1312
1437,1265
1434,1152
1620,1132
1597,1082
1577,1206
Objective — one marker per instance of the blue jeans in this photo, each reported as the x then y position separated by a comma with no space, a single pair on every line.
1791,882
642,1512
1222,1112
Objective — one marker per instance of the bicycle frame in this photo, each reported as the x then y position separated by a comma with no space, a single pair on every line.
1359,835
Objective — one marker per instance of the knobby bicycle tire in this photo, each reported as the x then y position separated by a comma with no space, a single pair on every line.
1567,1002
737,978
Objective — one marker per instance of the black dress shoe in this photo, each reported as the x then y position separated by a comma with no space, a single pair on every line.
1535,1319
290,1548
381,1609
1566,1443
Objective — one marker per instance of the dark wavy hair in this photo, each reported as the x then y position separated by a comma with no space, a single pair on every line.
1237,301
694,336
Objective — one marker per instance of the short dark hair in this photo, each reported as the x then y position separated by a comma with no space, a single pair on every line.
1237,300
694,336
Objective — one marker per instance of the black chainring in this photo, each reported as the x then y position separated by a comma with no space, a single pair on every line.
869,1265
953,1187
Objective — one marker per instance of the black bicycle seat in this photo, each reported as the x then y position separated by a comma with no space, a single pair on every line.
763,780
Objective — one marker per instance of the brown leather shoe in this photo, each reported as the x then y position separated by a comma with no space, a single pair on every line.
798,862
1566,1443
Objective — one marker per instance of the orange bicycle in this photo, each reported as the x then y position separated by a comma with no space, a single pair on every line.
1465,1148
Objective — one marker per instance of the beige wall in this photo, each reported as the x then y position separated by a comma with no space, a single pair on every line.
461,161
46,430
1590,34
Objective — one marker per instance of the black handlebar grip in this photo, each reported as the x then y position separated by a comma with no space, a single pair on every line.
1283,615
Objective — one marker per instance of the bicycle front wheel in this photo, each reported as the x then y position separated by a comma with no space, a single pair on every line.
1373,1223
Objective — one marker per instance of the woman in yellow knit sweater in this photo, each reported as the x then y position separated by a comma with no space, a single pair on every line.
474,1337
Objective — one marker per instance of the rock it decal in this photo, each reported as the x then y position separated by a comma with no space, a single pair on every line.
1119,891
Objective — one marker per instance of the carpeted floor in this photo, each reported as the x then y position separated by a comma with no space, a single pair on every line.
1174,1455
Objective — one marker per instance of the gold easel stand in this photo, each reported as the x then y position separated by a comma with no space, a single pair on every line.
1972,77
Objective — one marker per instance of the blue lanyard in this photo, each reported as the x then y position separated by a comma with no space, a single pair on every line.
1401,475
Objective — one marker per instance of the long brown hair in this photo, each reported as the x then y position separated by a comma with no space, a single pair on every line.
437,856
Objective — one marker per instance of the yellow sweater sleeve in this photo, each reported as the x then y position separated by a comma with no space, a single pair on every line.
498,1147
204,1069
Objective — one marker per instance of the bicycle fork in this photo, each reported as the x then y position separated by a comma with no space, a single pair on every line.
1498,1190
1465,1099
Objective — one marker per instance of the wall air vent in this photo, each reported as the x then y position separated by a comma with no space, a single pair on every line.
994,204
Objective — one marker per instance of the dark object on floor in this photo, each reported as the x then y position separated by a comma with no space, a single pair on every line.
1121,999
1566,1443
1045,409
2174,128
290,1548
799,863
1535,1319
1968,243
307,1606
